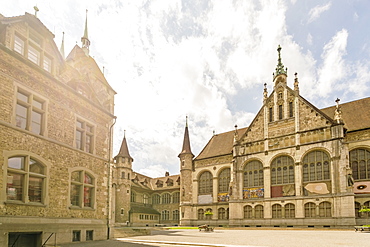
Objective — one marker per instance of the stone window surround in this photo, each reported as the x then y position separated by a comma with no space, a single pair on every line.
47,165
93,197
84,130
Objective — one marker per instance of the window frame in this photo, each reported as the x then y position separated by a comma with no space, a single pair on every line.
355,161
26,173
224,178
205,183
253,175
87,131
311,166
33,105
82,185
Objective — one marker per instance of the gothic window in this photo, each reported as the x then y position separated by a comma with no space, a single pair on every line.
166,198
82,189
290,109
282,170
26,180
258,211
222,214
30,112
276,211
359,160
176,197
175,215
248,212
156,199
325,209
253,174
289,210
224,181
280,112
316,166
208,213
84,136
205,183
310,210
200,214
271,117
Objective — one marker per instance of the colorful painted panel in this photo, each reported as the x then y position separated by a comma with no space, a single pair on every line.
253,193
223,197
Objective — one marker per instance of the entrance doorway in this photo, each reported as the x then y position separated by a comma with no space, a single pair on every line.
24,239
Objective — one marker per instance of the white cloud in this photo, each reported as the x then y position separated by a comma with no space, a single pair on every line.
309,39
317,11
334,66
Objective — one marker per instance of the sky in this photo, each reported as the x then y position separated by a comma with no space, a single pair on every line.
208,60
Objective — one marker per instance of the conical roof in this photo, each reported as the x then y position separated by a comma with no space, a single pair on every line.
186,143
123,152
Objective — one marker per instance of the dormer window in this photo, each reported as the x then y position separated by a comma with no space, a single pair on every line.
169,182
159,184
19,45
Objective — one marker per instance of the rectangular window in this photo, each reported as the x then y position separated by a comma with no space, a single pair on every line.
34,55
280,112
30,112
84,136
47,64
270,115
89,235
76,236
18,45
290,109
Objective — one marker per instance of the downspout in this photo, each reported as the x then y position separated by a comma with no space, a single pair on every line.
109,178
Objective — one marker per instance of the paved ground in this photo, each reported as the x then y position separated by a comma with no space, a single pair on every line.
232,238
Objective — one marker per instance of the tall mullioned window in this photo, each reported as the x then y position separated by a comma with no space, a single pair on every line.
359,160
253,174
316,166
224,181
205,183
30,112
166,198
82,189
84,136
26,180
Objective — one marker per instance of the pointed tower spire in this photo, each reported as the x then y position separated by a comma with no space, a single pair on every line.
62,47
123,152
186,143
85,39
280,73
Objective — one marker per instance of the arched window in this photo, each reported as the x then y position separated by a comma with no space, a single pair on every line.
156,199
133,196
82,189
175,215
200,214
208,213
289,210
248,212
258,211
166,198
26,179
325,209
253,174
222,214
310,210
316,166
205,183
224,181
276,211
145,199
165,215
176,197
359,160
282,170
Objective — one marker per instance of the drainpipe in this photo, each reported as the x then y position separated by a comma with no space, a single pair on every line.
109,177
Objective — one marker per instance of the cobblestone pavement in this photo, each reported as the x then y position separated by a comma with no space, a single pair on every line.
232,238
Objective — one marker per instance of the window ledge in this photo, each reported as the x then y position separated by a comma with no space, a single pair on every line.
35,204
79,208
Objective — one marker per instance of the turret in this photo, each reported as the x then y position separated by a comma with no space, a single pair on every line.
85,39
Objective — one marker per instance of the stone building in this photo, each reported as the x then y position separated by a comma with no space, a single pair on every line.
55,131
294,166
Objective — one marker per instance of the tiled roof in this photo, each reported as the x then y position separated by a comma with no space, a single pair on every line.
144,210
220,144
355,114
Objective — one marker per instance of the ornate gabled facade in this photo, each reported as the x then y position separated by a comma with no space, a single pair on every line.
294,166
55,123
